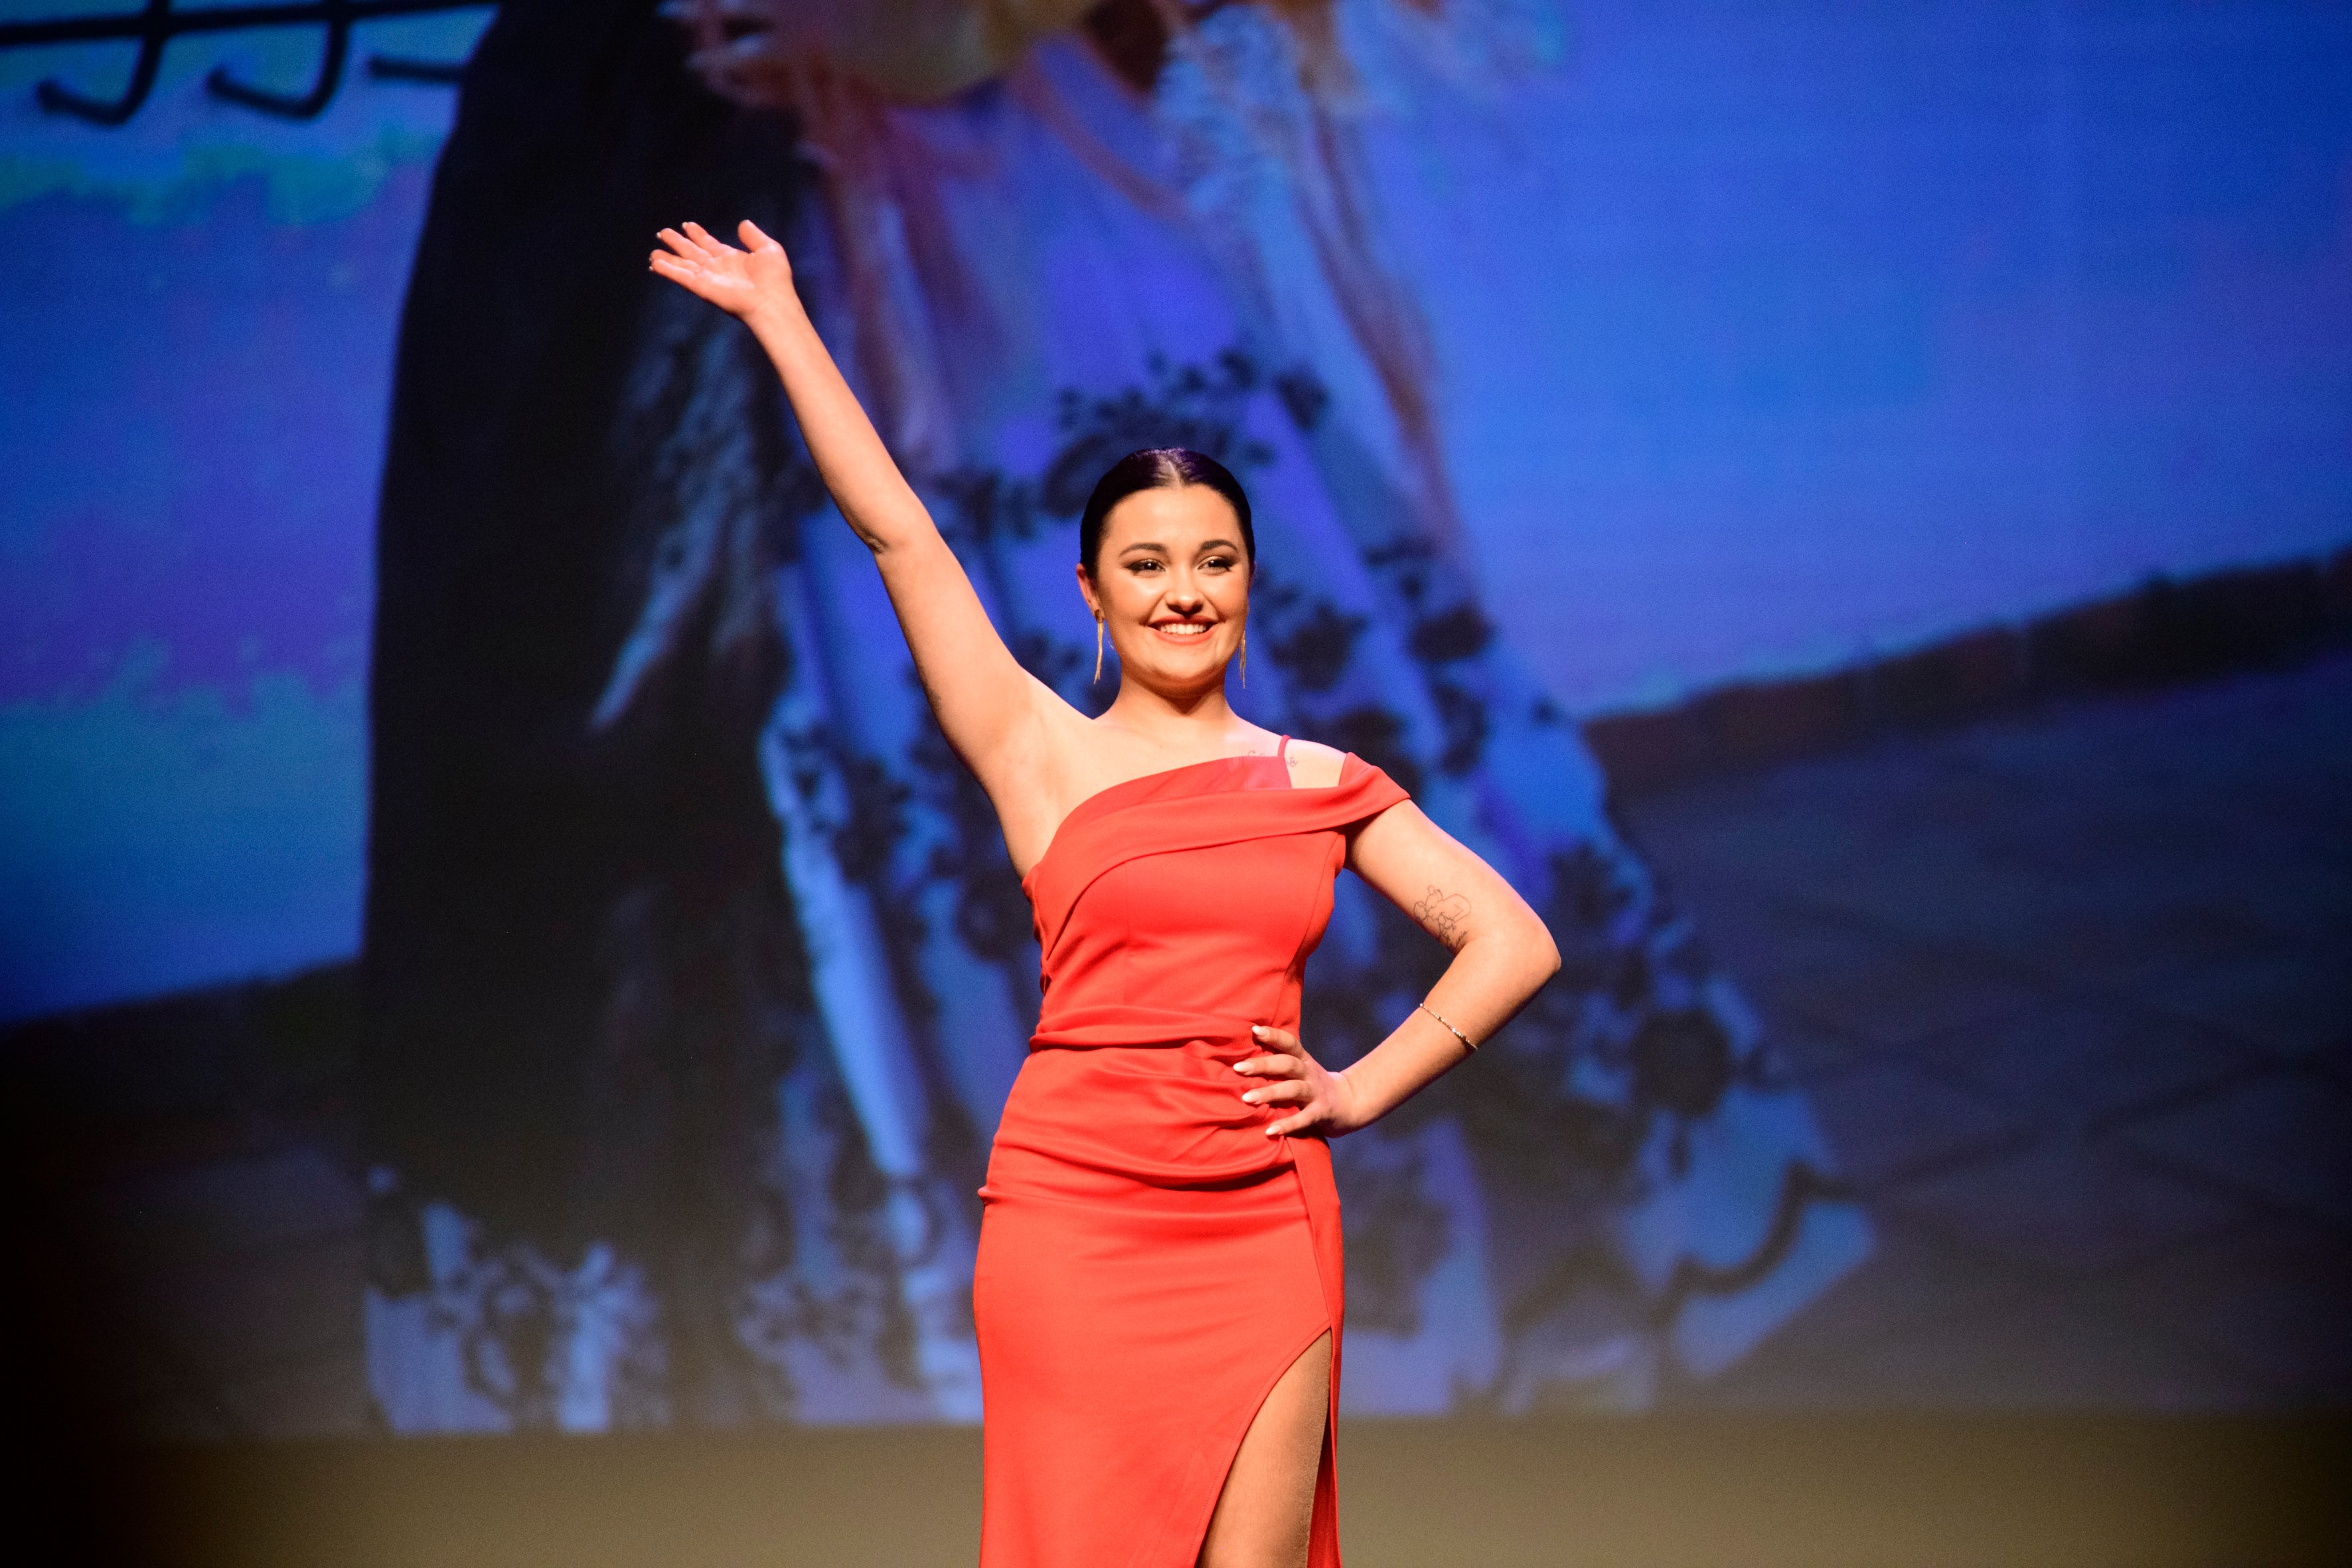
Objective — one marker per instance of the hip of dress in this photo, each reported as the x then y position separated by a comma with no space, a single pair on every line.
1152,1129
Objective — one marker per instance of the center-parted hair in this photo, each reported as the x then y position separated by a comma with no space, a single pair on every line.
1155,468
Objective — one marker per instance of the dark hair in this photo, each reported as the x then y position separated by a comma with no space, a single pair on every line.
1159,467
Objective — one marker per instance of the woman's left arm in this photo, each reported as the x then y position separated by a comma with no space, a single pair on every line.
1502,956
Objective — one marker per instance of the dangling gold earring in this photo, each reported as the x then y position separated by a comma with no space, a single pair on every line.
1245,659
1099,631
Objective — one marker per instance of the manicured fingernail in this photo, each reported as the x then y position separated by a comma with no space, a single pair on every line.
1257,1028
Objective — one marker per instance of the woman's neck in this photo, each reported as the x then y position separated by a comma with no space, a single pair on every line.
1178,722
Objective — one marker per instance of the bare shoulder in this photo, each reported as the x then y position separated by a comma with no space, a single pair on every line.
1313,765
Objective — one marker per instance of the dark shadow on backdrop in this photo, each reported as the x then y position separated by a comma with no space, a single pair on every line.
578,970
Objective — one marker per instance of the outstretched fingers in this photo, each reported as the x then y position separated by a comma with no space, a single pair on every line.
714,248
684,273
682,261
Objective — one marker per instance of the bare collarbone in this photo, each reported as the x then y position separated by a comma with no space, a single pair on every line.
1094,761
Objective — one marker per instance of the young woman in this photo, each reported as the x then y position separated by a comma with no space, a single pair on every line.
1157,1294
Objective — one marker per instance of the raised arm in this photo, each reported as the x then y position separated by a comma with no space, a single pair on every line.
992,710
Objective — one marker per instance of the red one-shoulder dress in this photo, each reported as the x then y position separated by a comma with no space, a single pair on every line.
1150,1262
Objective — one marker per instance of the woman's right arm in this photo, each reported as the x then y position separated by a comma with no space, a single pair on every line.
994,712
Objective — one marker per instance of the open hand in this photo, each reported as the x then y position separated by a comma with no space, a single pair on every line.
1325,1101
741,282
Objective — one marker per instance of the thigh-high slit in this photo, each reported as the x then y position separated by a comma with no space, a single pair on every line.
1323,1415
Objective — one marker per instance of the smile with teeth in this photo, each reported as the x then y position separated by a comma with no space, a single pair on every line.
1181,628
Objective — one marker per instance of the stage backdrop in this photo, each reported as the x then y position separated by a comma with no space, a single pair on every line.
434,689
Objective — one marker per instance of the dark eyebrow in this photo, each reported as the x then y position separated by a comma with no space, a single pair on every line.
1205,544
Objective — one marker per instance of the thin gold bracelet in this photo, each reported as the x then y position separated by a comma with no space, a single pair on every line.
1440,1017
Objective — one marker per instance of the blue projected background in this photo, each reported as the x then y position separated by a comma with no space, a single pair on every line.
1765,349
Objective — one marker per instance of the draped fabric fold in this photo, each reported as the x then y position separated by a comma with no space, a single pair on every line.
1131,818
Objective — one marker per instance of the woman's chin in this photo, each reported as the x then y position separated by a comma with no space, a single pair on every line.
1177,673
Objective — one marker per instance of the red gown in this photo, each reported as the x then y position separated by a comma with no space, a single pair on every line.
1150,1263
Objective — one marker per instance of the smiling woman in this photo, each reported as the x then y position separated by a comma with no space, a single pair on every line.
1159,1291
1198,499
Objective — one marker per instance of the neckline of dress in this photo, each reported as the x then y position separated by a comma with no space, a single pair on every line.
1072,814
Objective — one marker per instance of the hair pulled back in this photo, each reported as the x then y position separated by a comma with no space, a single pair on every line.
1159,467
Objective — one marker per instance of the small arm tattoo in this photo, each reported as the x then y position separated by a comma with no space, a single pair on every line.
1445,915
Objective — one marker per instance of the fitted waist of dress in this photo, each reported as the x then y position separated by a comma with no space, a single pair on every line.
1094,1025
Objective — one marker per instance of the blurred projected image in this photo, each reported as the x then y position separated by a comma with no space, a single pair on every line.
496,940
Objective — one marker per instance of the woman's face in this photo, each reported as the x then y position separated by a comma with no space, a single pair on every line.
1171,583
